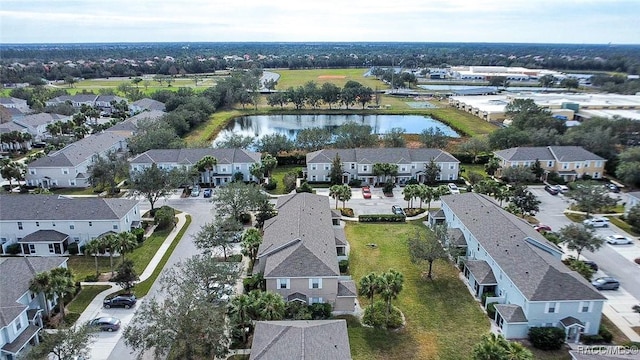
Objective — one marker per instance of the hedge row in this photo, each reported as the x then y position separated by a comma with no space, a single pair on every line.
382,218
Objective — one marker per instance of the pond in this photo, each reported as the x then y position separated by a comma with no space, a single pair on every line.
290,125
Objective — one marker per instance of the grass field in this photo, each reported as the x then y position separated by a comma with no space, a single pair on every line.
443,320
339,77
84,297
278,174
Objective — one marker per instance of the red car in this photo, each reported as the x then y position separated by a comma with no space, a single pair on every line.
542,228
366,192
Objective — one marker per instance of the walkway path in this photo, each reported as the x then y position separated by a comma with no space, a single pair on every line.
105,342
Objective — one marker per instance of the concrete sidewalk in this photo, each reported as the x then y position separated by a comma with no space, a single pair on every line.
106,341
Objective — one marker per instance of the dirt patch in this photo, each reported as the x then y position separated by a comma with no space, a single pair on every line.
329,77
105,276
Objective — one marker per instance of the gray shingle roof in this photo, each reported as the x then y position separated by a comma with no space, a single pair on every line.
511,313
341,239
481,271
80,151
380,155
191,156
512,244
11,126
53,207
300,241
149,104
131,124
570,320
557,153
301,339
36,120
17,272
44,236
347,288
455,236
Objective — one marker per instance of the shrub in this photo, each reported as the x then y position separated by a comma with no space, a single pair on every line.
165,218
271,185
254,282
382,218
376,316
320,311
91,278
13,249
355,183
296,310
304,187
388,188
344,266
606,335
348,212
547,338
245,218
73,248
289,181
412,181
234,258
139,233
491,310
591,339
414,211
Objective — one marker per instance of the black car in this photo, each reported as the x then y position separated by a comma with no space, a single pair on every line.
613,188
551,189
106,323
125,301
591,264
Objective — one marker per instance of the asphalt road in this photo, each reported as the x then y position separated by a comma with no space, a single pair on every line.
613,260
201,213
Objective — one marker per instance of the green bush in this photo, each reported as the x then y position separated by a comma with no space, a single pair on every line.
234,258
139,233
355,183
547,338
320,311
591,339
344,266
245,218
304,187
414,211
348,212
387,188
165,218
491,310
254,282
295,310
376,316
73,248
606,335
382,218
273,183
91,278
13,249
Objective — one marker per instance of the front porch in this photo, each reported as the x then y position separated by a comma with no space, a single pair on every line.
45,243
28,337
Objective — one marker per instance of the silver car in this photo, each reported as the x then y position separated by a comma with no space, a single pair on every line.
597,222
618,240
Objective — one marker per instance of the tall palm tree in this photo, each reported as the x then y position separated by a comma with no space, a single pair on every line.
517,351
257,170
251,241
368,286
207,163
240,310
389,286
41,285
61,285
125,242
110,242
93,248
334,192
271,306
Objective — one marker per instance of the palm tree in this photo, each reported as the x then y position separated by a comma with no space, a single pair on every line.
207,163
517,351
269,162
240,310
110,242
257,170
503,193
41,284
334,192
389,286
344,193
125,242
271,306
368,286
250,244
494,347
93,248
61,285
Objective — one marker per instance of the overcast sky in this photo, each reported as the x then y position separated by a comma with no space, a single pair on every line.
527,21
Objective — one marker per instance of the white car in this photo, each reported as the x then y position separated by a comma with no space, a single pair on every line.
562,188
597,222
618,240
453,188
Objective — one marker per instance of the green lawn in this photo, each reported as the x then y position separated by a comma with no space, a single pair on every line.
84,297
443,320
278,174
339,77
82,266
474,168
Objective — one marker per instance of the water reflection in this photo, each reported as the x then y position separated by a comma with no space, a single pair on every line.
290,125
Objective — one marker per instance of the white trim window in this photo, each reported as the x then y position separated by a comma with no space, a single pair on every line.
550,163
315,283
585,306
314,167
284,283
552,308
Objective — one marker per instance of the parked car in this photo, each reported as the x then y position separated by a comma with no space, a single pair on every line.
542,228
606,283
597,222
124,300
222,292
551,189
195,192
618,240
562,188
397,209
453,188
207,193
591,264
613,188
366,192
106,323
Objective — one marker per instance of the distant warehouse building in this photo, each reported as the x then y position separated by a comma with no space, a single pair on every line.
572,106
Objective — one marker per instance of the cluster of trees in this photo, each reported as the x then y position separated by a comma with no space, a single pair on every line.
12,170
55,284
312,95
388,285
424,193
15,141
202,58
120,243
